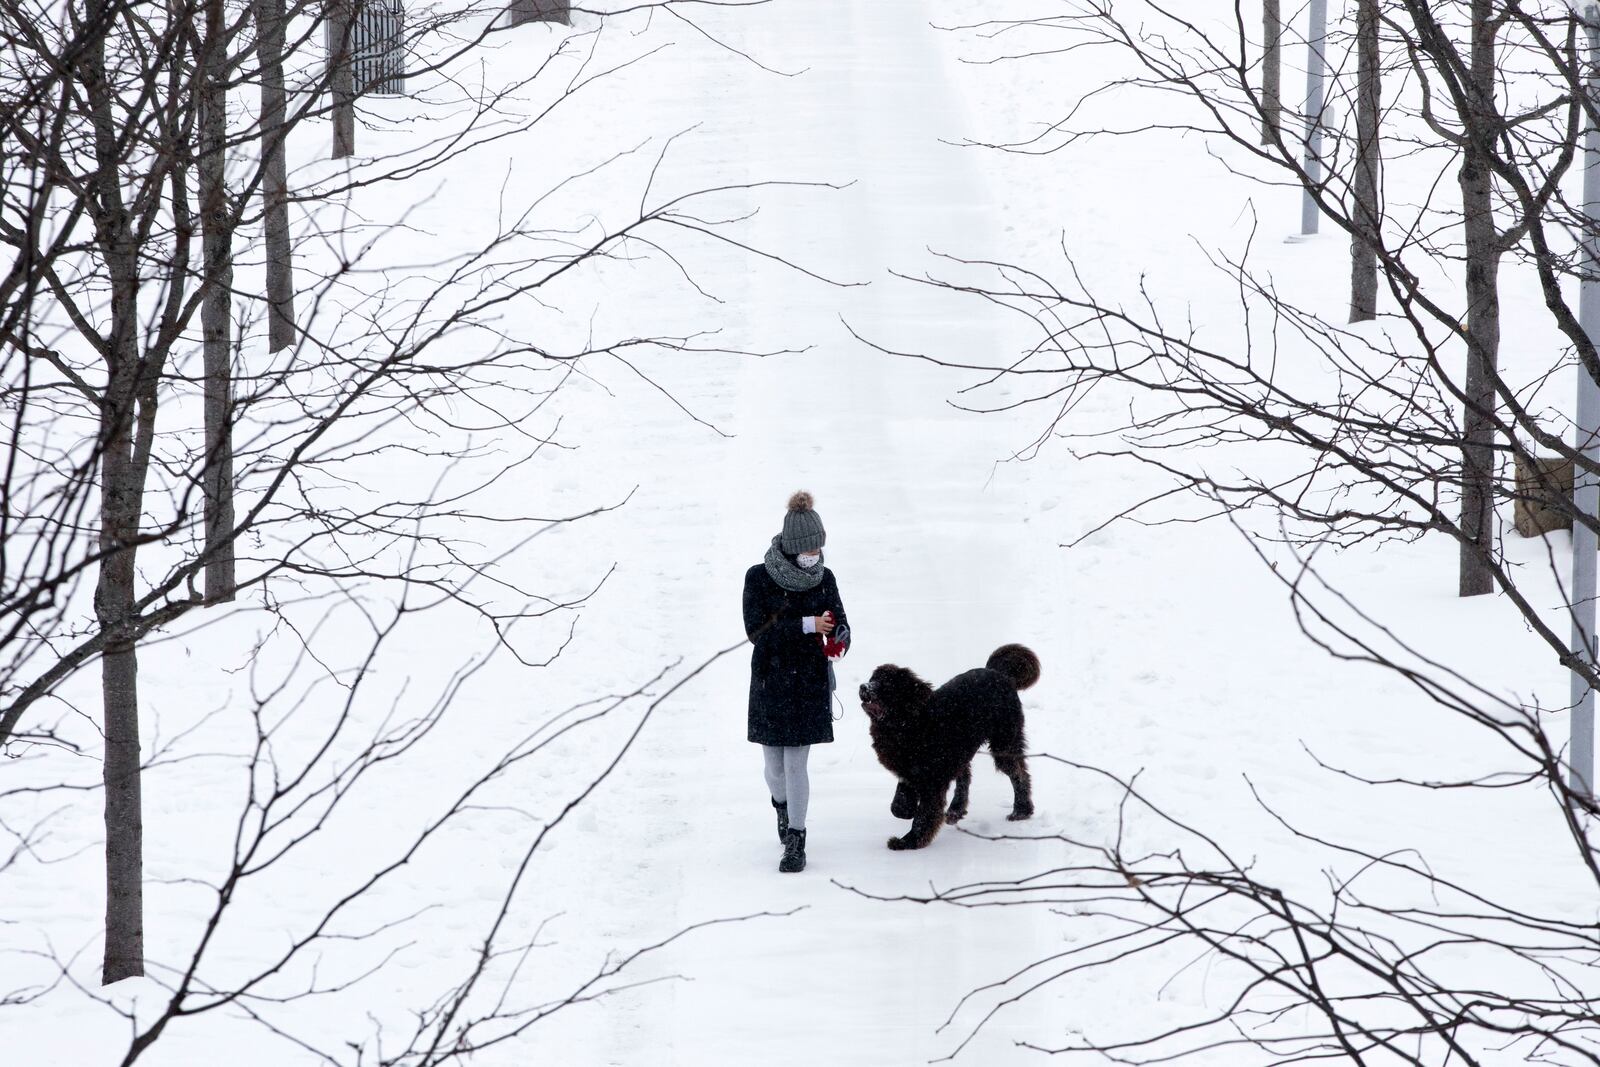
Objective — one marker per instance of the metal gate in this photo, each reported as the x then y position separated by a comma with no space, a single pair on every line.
378,48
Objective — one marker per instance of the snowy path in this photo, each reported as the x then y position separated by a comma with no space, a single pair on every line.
917,536
921,537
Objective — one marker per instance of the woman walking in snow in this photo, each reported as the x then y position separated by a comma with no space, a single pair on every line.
796,621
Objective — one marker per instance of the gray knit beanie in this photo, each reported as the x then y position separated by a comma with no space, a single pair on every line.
802,527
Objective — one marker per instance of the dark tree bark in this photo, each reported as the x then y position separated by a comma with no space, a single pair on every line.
124,805
1368,211
274,177
341,79
216,310
1483,249
1271,71
521,11
121,491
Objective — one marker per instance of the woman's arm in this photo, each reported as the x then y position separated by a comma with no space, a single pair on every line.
763,611
839,640
759,610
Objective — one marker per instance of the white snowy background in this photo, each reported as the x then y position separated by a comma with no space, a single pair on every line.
1169,650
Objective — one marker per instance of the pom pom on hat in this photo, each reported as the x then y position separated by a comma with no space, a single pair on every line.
801,501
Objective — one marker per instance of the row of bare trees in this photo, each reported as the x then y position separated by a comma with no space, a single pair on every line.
127,160
1407,425
205,353
1467,75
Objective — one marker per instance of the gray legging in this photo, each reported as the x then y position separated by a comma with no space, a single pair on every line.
786,778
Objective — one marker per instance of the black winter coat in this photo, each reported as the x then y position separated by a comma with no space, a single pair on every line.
791,699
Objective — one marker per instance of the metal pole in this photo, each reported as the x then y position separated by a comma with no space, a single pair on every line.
1585,486
1316,41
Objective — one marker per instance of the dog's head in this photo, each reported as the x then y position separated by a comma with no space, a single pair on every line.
893,691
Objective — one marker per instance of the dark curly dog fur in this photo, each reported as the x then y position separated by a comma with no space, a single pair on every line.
927,737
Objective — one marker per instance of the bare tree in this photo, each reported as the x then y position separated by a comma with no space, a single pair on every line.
1368,154
1271,71
103,294
1516,155
340,28
269,23
216,309
125,436
1475,99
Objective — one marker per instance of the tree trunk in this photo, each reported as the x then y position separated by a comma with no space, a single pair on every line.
521,11
1271,72
124,463
274,177
216,309
1483,313
1368,213
338,25
121,496
124,806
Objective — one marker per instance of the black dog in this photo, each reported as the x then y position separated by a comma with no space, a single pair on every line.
927,737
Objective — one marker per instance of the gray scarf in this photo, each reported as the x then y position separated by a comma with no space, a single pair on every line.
786,574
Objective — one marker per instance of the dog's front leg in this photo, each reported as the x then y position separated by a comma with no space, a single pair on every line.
929,817
958,803
904,804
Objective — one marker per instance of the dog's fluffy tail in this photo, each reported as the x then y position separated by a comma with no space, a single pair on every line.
1017,663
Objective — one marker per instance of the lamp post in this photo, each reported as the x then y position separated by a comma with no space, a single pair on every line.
1316,41
1585,486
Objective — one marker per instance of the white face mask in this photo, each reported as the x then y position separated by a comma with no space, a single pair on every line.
808,559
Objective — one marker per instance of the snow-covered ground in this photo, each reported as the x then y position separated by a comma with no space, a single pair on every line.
1167,650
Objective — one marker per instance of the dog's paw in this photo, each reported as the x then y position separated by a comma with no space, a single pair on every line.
902,811
953,817
898,844
1019,814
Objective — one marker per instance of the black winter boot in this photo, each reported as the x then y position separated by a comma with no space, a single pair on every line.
794,852
783,819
